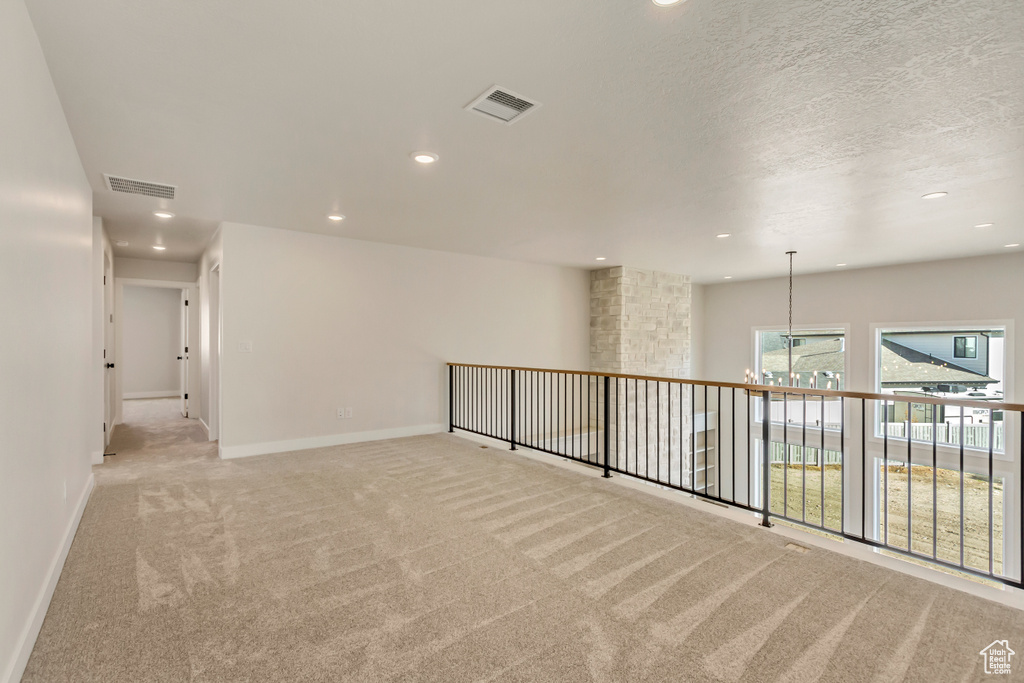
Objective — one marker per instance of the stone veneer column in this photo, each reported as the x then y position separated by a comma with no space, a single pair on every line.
640,322
640,325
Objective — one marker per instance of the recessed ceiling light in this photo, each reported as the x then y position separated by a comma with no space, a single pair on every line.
159,247
121,243
723,235
984,225
424,157
1011,246
840,265
336,217
666,3
934,195
728,277
163,214
601,258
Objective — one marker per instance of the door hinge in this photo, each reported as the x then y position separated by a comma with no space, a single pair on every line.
104,427
186,349
104,353
104,279
186,302
186,397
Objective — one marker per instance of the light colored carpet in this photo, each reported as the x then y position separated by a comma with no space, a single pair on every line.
433,559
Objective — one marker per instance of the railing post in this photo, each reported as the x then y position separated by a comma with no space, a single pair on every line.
607,432
512,404
451,399
766,453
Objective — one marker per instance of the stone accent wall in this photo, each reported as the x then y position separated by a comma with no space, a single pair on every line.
640,322
640,325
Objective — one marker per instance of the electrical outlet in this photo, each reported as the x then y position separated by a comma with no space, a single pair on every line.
341,413
348,413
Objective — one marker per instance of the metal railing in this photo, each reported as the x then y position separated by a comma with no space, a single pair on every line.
945,503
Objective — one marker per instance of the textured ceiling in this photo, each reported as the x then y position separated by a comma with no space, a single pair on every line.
813,125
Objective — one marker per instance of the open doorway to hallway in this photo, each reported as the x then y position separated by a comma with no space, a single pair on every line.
153,336
155,427
157,344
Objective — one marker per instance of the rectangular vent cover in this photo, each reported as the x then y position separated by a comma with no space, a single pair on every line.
502,104
118,184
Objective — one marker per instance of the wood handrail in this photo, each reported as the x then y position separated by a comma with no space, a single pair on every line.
761,388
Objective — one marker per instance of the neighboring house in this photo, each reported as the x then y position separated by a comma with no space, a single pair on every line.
930,362
925,368
907,367
966,349
824,356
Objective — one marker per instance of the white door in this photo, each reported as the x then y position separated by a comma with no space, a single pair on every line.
183,351
109,392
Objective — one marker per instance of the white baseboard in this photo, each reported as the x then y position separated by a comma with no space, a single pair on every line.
206,427
152,394
244,451
30,632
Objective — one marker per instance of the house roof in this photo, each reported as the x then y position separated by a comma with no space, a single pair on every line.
821,356
901,366
906,367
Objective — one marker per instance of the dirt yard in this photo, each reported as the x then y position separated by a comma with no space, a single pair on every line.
946,518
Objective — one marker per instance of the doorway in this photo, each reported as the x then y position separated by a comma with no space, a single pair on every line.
109,376
156,331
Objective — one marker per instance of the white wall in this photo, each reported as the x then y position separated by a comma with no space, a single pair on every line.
342,323
982,289
151,269
697,319
209,319
48,389
151,342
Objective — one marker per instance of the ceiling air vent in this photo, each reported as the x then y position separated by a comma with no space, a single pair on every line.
502,104
118,184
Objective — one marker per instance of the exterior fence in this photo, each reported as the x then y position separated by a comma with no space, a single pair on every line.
948,494
973,435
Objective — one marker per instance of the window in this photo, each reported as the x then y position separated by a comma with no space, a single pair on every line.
949,363
818,361
965,347
819,358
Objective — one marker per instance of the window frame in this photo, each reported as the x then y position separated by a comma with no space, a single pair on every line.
802,329
973,347
945,451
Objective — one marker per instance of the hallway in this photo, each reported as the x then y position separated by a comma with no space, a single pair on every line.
154,426
432,558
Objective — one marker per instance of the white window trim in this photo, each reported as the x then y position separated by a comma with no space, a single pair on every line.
817,327
945,451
